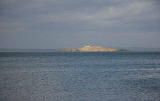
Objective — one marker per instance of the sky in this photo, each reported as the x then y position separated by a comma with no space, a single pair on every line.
52,24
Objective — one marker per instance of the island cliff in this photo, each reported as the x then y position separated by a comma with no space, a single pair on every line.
89,49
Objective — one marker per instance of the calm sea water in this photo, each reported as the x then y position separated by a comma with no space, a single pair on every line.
124,76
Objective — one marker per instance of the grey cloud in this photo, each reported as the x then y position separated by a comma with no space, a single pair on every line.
83,19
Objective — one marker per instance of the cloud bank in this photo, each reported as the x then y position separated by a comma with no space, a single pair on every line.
74,23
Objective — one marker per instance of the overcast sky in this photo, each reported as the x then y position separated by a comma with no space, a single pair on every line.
49,24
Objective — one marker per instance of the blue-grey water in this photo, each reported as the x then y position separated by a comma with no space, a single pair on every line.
117,76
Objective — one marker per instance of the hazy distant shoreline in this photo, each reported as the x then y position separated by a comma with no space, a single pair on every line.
56,50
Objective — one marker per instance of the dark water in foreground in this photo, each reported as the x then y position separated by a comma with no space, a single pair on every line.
125,76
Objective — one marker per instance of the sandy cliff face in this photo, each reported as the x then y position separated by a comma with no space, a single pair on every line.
90,49
96,49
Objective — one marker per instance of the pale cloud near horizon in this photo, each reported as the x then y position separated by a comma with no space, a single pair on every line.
70,19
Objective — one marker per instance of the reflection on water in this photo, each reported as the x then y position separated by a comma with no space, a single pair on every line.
125,76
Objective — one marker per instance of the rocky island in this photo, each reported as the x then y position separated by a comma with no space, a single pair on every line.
90,49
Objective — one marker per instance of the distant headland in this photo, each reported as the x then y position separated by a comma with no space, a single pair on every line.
90,49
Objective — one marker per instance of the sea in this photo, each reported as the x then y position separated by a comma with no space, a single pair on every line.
80,76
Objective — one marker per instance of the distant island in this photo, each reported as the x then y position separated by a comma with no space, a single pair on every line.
90,49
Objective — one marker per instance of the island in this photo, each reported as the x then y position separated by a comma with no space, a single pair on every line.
90,49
